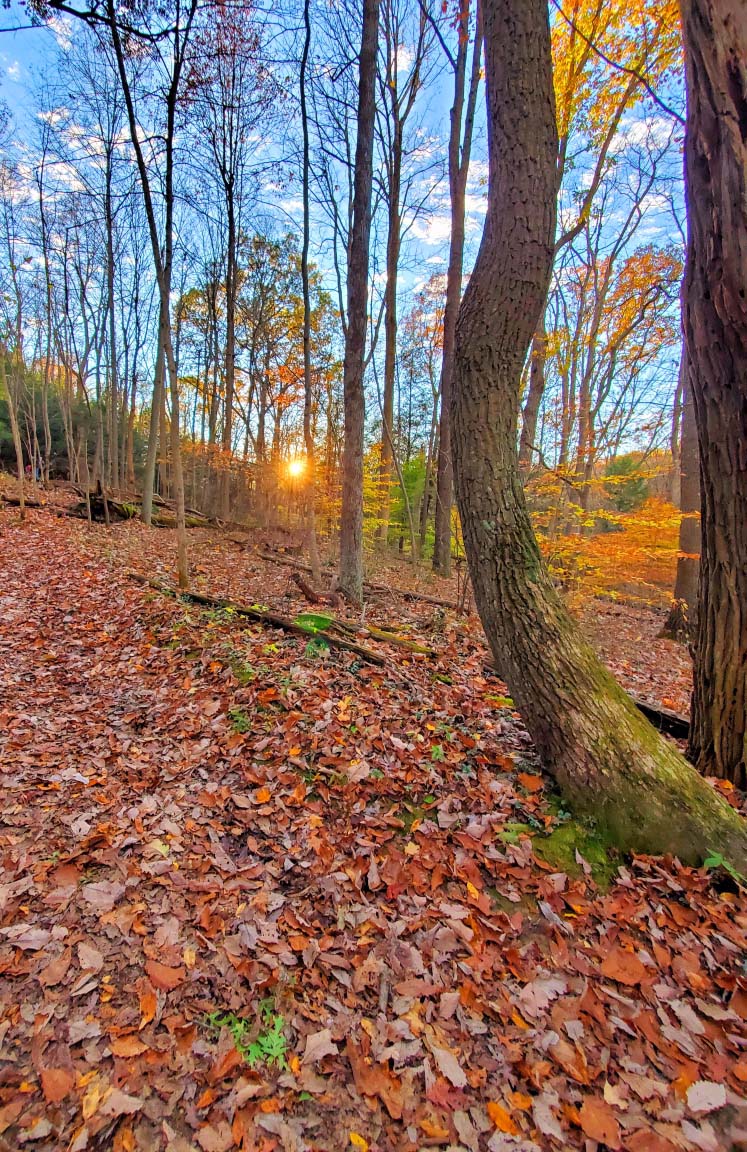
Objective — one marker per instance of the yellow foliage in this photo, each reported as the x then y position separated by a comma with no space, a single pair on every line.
637,560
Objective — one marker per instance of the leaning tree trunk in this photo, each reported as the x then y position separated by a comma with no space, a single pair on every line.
351,515
608,760
715,313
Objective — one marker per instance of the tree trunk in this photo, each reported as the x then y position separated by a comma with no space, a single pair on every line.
308,398
534,397
149,476
230,366
608,760
351,516
459,157
390,329
675,441
680,624
16,433
715,322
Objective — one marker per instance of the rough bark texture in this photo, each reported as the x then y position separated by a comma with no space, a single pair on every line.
608,760
715,321
351,516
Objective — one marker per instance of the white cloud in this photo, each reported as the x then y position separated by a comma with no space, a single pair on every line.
435,230
13,71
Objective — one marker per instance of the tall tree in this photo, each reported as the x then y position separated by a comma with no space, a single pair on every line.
461,126
308,397
715,321
608,760
351,516
231,94
400,80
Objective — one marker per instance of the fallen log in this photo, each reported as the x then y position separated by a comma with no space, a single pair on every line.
263,617
15,502
668,722
403,592
664,719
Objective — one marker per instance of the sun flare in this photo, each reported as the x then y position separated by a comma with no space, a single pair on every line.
296,467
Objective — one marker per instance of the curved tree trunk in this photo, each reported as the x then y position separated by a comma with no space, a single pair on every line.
608,760
715,313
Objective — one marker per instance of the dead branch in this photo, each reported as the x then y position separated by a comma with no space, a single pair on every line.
263,617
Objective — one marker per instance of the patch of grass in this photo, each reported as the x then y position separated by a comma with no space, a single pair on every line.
258,1041
240,720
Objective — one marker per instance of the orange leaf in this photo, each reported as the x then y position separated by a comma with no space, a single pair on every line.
520,1101
501,1118
432,1130
262,795
128,1046
531,783
56,1083
148,1005
164,977
623,966
740,1070
599,1123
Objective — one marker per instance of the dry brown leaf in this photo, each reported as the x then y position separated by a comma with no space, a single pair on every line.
624,967
164,977
599,1122
56,1083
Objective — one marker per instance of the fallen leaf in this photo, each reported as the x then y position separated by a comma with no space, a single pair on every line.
56,970
164,977
118,1103
501,1118
90,957
319,1045
624,967
599,1122
216,1137
449,1066
56,1083
102,895
705,1096
128,1046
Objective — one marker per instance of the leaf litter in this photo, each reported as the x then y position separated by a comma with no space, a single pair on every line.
369,918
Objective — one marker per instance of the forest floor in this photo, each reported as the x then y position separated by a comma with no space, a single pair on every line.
258,894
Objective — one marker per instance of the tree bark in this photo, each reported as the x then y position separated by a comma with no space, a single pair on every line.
534,397
715,322
608,760
682,618
351,517
459,158
308,398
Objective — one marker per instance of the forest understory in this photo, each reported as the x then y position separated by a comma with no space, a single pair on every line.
260,894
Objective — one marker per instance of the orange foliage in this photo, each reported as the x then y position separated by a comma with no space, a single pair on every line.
635,561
